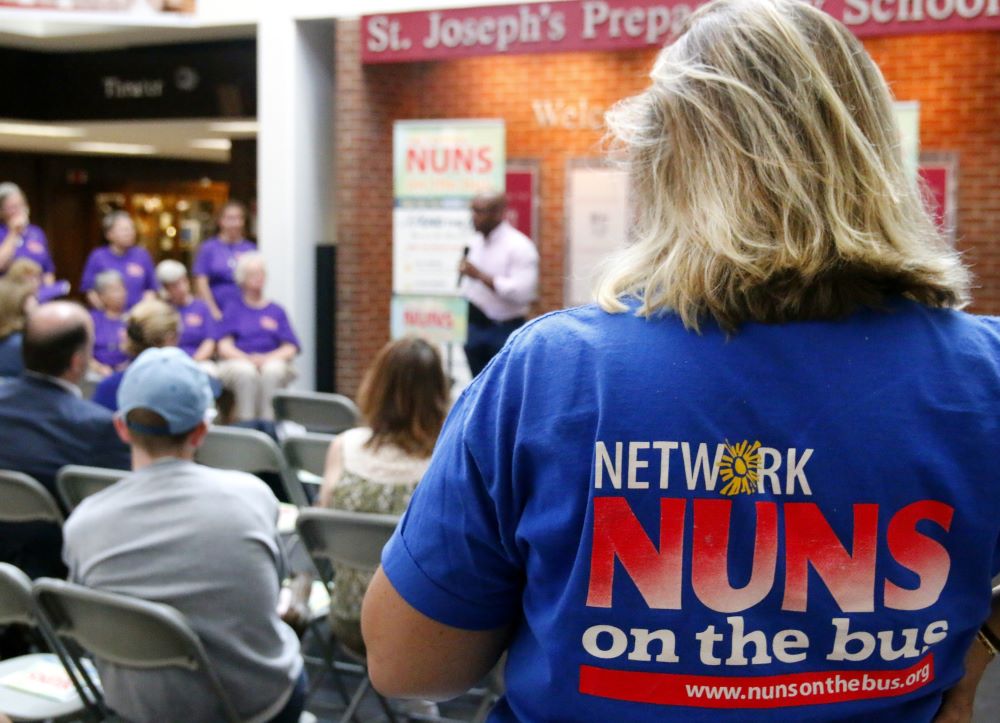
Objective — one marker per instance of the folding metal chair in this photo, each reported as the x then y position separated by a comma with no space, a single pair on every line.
125,631
24,499
75,482
248,450
17,608
352,539
317,411
307,452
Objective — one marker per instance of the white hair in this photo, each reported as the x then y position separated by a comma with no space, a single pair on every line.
9,189
245,262
170,271
106,278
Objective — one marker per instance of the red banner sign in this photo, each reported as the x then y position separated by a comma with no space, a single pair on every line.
623,24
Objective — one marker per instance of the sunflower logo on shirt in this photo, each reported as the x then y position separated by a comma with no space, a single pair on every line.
134,269
266,322
739,468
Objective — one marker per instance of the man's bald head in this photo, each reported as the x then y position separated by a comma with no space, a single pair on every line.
57,340
487,211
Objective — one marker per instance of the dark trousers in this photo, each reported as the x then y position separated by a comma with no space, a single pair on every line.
296,704
486,338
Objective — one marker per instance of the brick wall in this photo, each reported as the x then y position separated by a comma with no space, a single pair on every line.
956,78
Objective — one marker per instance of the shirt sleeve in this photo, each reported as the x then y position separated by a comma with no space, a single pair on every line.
519,285
453,556
90,271
286,334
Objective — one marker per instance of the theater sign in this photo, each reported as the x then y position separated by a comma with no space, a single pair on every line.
577,25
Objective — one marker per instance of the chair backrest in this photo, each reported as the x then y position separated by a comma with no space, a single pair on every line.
307,452
16,605
24,499
87,387
248,450
354,539
75,482
317,411
126,631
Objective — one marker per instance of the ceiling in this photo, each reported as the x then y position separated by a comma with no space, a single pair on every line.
204,140
53,31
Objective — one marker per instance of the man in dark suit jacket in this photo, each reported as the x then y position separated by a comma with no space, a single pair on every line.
45,424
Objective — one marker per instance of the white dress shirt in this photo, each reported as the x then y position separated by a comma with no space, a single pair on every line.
511,259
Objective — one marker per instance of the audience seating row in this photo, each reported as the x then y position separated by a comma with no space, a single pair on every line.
76,621
109,626
246,450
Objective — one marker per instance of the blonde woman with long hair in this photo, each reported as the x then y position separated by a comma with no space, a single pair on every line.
755,481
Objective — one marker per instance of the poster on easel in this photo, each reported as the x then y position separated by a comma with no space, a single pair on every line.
438,167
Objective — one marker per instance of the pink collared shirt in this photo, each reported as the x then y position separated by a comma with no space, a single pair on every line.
511,259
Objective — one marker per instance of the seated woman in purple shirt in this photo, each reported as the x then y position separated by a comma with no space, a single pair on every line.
197,327
122,255
256,344
109,324
19,238
217,257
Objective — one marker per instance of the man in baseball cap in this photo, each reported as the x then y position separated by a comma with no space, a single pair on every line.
199,539
163,397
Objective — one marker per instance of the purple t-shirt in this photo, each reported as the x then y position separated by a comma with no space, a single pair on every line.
197,325
135,266
256,331
33,245
109,335
217,260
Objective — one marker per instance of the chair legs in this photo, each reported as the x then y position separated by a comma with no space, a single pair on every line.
359,694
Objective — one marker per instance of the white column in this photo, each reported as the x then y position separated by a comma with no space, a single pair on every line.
294,94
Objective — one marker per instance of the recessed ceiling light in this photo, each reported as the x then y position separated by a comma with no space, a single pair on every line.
39,130
121,149
212,144
242,126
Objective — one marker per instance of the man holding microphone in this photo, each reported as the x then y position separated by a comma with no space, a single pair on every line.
498,277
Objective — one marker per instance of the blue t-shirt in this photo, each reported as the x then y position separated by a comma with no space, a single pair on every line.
799,522
106,391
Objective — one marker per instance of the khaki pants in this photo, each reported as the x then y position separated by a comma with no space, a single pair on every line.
254,389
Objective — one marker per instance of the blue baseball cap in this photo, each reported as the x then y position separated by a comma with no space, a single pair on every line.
169,382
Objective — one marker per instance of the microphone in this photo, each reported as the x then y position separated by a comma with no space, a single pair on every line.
465,255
